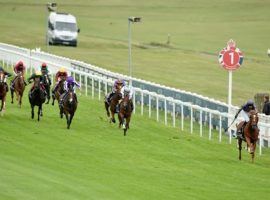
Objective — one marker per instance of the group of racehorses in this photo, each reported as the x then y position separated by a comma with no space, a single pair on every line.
37,96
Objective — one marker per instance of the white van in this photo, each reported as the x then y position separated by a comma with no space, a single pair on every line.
62,29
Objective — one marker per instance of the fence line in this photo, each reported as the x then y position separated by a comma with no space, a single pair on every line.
168,105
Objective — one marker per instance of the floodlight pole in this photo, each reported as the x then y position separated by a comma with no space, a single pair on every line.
129,47
130,20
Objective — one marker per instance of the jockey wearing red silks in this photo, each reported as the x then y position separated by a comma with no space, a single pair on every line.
18,68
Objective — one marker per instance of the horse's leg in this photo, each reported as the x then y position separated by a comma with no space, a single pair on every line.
70,119
39,108
32,111
12,95
107,108
239,148
48,94
127,121
41,112
1,106
253,154
53,100
112,114
248,144
61,111
119,119
67,118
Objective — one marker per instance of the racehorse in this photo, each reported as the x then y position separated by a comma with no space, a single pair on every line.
3,92
60,90
69,106
124,114
251,133
19,87
112,105
47,86
37,97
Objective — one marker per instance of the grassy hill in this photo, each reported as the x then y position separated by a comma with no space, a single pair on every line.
199,29
93,160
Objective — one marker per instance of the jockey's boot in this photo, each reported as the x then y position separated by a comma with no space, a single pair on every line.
240,130
109,98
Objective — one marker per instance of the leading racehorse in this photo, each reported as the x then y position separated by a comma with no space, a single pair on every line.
112,105
69,106
124,114
251,134
19,87
3,92
37,97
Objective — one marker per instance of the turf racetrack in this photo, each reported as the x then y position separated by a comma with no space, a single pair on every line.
93,160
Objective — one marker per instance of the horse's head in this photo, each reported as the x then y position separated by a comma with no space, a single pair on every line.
37,83
253,119
126,103
2,78
20,77
45,78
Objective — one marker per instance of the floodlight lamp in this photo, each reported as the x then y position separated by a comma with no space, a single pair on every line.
134,19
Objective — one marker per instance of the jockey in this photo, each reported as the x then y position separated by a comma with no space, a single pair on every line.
69,84
60,75
7,75
244,111
35,75
44,70
117,86
127,91
18,68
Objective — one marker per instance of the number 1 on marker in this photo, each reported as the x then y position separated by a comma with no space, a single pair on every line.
232,57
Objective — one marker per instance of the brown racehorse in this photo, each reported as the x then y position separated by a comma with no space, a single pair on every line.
69,106
251,133
112,105
36,98
19,87
60,90
3,92
124,114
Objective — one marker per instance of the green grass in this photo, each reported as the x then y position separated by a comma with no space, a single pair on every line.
199,29
93,160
